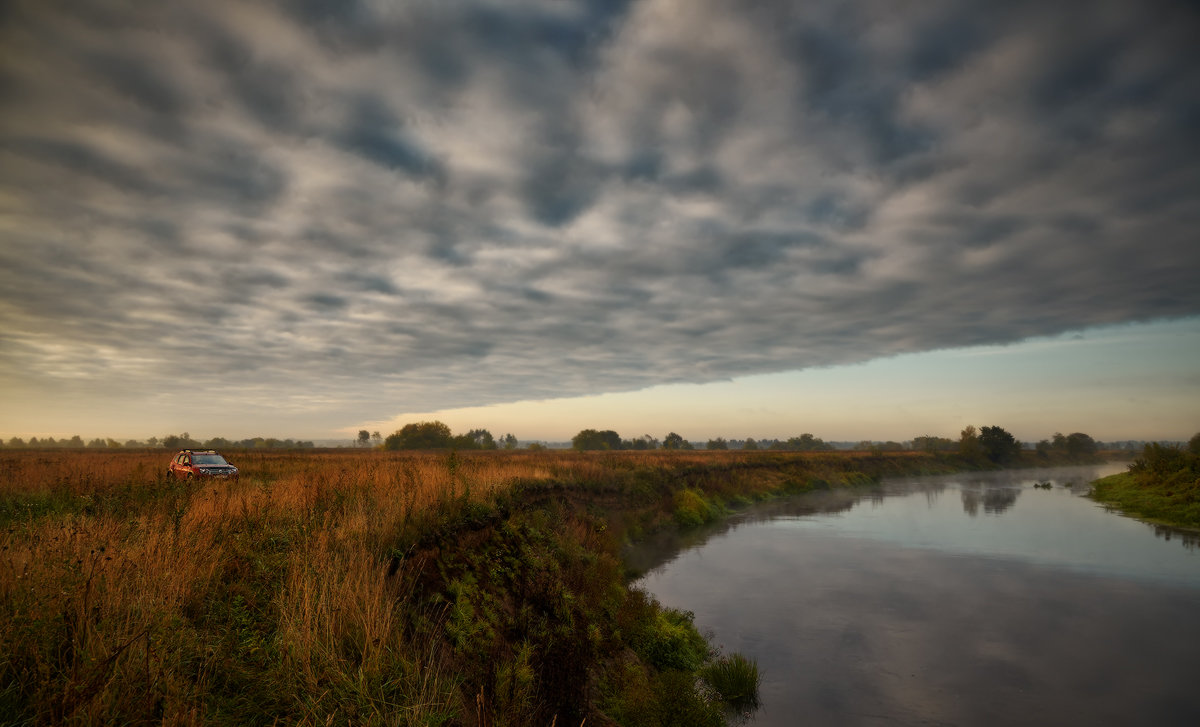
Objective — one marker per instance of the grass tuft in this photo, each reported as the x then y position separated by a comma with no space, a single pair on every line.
735,679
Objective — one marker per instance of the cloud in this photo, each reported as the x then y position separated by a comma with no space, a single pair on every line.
427,205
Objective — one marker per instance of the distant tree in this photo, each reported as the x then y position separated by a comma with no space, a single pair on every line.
421,435
16,442
750,443
1080,445
34,443
179,441
807,443
1043,448
97,443
509,441
218,443
1059,442
672,441
76,442
718,443
929,443
536,447
475,439
376,439
591,439
998,445
364,438
968,443
1193,444
640,443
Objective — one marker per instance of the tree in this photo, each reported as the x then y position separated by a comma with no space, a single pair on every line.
76,442
672,441
1080,445
364,438
1194,444
808,443
509,441
929,443
998,445
591,439
640,443
750,443
475,439
968,443
97,443
178,441
16,442
376,439
421,435
718,443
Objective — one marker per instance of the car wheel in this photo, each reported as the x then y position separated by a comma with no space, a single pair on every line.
188,476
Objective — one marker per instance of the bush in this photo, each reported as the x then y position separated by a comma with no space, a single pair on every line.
671,641
691,509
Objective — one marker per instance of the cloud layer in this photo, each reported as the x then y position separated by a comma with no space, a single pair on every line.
372,207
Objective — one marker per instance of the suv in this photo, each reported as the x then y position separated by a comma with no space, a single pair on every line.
197,463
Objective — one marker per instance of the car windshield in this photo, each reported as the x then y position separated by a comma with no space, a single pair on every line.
208,459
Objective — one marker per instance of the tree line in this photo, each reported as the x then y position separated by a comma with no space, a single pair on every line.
170,441
990,443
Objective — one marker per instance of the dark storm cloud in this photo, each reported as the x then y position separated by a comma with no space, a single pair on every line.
420,205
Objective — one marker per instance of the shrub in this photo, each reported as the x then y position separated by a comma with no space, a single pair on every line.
692,509
671,641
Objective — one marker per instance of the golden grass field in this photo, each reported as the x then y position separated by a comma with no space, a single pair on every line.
127,596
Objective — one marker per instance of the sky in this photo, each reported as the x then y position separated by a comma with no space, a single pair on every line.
864,220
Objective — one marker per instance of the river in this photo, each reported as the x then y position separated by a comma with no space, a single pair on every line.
970,599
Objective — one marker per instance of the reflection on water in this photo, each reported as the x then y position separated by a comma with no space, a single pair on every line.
973,600
994,500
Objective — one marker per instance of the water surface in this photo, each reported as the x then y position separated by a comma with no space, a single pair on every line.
967,599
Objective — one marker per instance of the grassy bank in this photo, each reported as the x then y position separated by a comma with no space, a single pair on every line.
351,587
1161,486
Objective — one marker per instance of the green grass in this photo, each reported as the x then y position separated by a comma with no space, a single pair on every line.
1173,501
735,679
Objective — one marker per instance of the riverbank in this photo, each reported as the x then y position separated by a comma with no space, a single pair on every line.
367,587
1162,486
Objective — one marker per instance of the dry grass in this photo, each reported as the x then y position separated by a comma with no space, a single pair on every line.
112,576
125,596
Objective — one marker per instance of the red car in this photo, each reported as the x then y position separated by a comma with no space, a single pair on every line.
197,463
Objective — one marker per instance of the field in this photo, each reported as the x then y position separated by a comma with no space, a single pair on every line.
360,587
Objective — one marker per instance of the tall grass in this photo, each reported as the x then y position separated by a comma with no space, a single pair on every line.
129,595
289,595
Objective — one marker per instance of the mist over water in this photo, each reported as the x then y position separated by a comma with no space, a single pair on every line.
967,599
